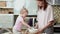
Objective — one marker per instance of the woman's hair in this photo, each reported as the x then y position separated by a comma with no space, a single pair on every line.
23,11
45,3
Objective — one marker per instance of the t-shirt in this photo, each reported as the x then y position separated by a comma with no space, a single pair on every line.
44,16
18,23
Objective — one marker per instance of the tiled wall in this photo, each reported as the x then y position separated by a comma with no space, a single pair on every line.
57,13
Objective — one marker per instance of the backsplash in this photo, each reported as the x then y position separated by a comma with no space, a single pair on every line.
57,13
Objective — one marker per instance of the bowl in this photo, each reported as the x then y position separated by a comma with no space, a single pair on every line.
32,30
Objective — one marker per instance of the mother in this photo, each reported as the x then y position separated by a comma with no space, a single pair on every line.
45,17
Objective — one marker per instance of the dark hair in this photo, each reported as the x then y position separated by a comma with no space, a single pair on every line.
45,4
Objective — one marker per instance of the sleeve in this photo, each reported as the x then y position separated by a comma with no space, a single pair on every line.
19,19
51,16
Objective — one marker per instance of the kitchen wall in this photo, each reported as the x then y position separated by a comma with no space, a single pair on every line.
29,4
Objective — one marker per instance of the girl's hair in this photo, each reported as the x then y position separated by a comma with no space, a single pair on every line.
45,4
23,9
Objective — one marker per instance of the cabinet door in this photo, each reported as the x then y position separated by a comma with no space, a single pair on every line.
50,1
57,2
54,2
6,21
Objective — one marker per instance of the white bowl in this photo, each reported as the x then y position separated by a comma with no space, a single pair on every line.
33,30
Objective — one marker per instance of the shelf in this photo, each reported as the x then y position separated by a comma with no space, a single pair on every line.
6,0
7,7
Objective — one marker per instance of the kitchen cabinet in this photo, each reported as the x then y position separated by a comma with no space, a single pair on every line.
57,2
6,20
57,28
6,7
6,14
54,2
50,2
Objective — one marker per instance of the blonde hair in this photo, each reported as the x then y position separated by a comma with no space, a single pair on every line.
21,12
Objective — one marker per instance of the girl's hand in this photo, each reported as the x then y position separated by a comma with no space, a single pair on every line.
36,26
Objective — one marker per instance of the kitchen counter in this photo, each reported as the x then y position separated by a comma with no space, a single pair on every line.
58,25
57,28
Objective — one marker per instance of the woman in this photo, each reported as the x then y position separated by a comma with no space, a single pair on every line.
45,17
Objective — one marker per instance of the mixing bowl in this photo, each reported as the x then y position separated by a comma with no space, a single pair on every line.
32,30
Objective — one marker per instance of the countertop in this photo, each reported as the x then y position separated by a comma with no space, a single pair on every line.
58,25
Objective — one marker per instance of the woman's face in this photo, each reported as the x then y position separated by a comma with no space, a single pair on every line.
40,3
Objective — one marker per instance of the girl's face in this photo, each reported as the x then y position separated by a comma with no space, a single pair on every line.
40,3
24,13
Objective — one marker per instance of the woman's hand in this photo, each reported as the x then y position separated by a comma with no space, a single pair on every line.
39,31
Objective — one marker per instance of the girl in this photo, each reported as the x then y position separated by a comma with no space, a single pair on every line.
20,22
45,17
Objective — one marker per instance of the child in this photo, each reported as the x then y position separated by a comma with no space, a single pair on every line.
20,21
